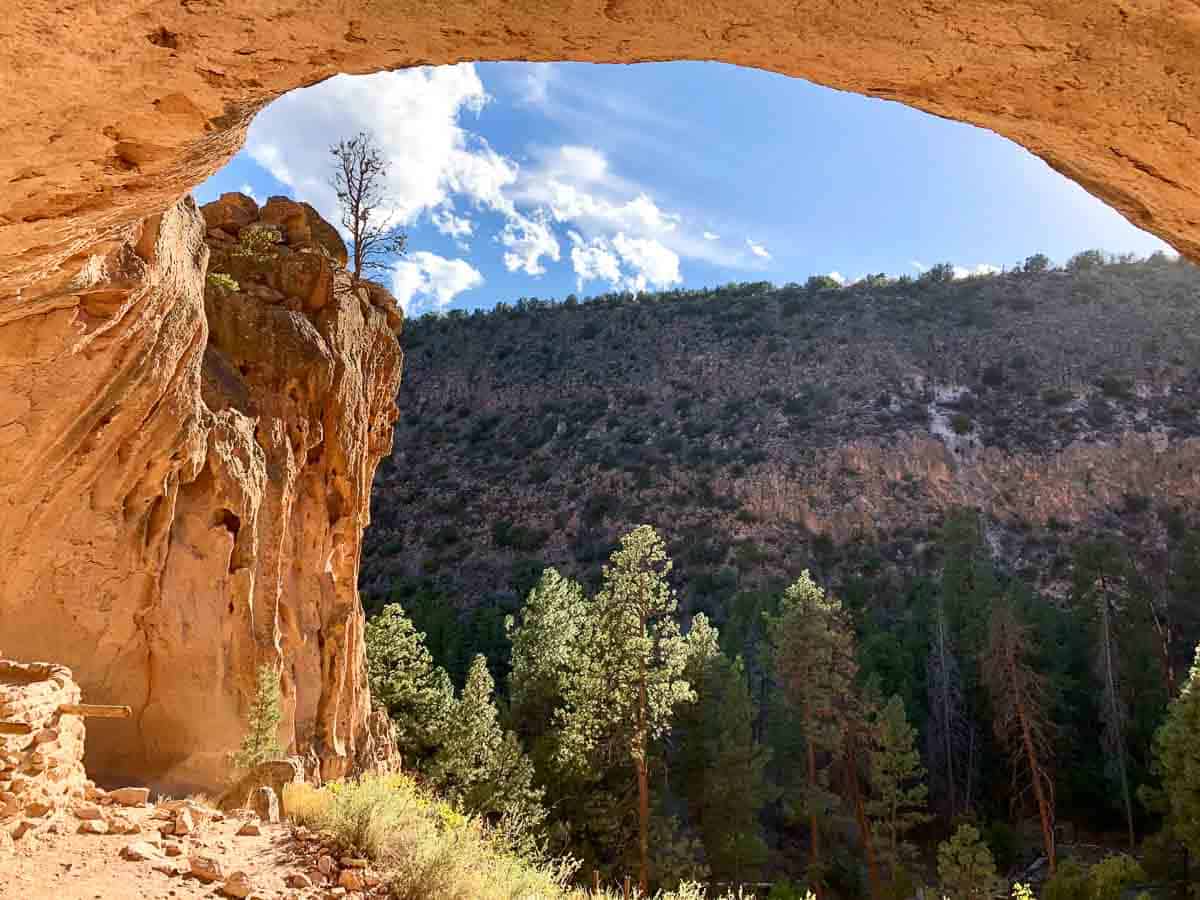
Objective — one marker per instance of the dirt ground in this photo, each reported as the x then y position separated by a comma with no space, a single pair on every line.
72,866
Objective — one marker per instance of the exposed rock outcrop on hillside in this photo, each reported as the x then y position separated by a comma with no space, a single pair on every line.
187,482
765,429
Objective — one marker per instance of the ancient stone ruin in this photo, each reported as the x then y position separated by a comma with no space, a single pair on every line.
41,746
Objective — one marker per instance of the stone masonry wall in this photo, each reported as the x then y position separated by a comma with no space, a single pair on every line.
41,773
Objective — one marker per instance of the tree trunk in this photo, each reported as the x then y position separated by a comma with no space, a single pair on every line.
643,828
860,815
945,711
643,777
817,887
1110,689
1039,792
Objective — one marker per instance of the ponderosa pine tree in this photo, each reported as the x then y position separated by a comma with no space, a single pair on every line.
720,767
622,693
1177,764
480,766
548,639
1020,706
898,790
813,660
403,679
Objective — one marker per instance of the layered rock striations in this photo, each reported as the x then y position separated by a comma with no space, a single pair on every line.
186,502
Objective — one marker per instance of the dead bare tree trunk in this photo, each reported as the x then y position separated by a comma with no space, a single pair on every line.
1019,697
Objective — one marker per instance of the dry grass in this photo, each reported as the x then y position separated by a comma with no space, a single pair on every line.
428,850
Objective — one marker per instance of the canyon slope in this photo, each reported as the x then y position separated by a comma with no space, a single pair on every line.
769,429
187,487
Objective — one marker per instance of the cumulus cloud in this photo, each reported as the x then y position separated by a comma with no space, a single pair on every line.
425,279
837,276
981,269
593,260
758,249
449,223
711,236
248,190
414,116
579,189
624,262
526,240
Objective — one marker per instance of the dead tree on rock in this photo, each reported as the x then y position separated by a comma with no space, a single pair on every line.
359,177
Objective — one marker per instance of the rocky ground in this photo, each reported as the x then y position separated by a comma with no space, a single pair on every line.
120,846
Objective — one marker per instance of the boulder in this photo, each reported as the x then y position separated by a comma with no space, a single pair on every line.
139,851
274,775
306,277
130,796
352,880
303,227
237,885
249,829
206,868
230,212
299,880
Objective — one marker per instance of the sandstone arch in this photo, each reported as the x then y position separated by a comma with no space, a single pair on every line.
112,464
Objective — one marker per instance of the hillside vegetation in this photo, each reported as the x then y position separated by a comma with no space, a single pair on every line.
886,531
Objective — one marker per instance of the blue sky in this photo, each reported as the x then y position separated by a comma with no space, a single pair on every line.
538,179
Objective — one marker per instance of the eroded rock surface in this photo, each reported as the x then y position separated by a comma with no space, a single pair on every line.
111,116
186,486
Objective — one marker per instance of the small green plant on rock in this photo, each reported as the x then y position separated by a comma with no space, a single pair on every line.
222,281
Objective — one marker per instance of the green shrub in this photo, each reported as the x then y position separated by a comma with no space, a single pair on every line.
965,866
222,281
1109,877
1070,882
961,423
1056,396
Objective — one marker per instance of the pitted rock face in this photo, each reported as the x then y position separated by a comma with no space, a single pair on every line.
219,478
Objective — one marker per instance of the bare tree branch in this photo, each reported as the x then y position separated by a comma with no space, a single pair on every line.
359,178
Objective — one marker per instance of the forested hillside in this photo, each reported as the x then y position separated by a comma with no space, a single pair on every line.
991,481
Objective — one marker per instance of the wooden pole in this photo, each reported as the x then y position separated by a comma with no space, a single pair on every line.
595,881
95,710
15,728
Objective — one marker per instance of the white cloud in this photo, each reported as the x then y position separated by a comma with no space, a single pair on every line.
449,223
248,190
526,241
414,116
837,276
536,81
624,262
593,261
426,279
981,269
651,261
918,265
711,236
758,249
